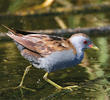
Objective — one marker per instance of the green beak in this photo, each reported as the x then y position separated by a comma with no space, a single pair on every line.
93,47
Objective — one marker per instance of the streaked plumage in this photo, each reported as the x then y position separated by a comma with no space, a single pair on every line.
51,53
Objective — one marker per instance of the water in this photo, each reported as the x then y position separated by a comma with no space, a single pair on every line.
92,77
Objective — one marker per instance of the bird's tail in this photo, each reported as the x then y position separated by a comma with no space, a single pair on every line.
11,32
9,29
16,31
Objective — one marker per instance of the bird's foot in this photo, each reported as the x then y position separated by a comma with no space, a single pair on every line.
70,87
23,87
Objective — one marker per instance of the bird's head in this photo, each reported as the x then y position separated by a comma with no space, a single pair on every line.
82,41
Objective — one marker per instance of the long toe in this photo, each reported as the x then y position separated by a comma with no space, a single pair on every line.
70,87
23,87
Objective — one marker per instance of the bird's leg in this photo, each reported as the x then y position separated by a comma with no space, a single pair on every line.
21,83
51,82
25,72
56,85
22,80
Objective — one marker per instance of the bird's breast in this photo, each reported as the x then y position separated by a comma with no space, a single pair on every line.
59,60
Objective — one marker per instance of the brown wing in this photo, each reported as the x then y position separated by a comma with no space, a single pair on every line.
42,44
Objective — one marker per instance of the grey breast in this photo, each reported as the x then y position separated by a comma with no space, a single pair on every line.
58,60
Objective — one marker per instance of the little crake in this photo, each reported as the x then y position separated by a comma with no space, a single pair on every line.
51,53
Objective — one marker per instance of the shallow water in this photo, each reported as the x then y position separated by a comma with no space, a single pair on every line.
92,76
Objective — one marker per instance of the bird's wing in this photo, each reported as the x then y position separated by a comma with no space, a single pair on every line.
42,44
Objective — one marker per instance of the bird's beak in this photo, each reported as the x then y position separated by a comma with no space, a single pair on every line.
93,47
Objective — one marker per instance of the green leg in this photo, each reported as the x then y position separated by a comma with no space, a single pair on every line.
56,85
22,80
51,82
25,72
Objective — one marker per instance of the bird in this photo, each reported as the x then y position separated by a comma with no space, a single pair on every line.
50,52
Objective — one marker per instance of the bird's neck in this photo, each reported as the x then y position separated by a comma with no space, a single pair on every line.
76,50
79,54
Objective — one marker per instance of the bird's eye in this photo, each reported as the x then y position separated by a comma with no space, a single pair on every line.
85,42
